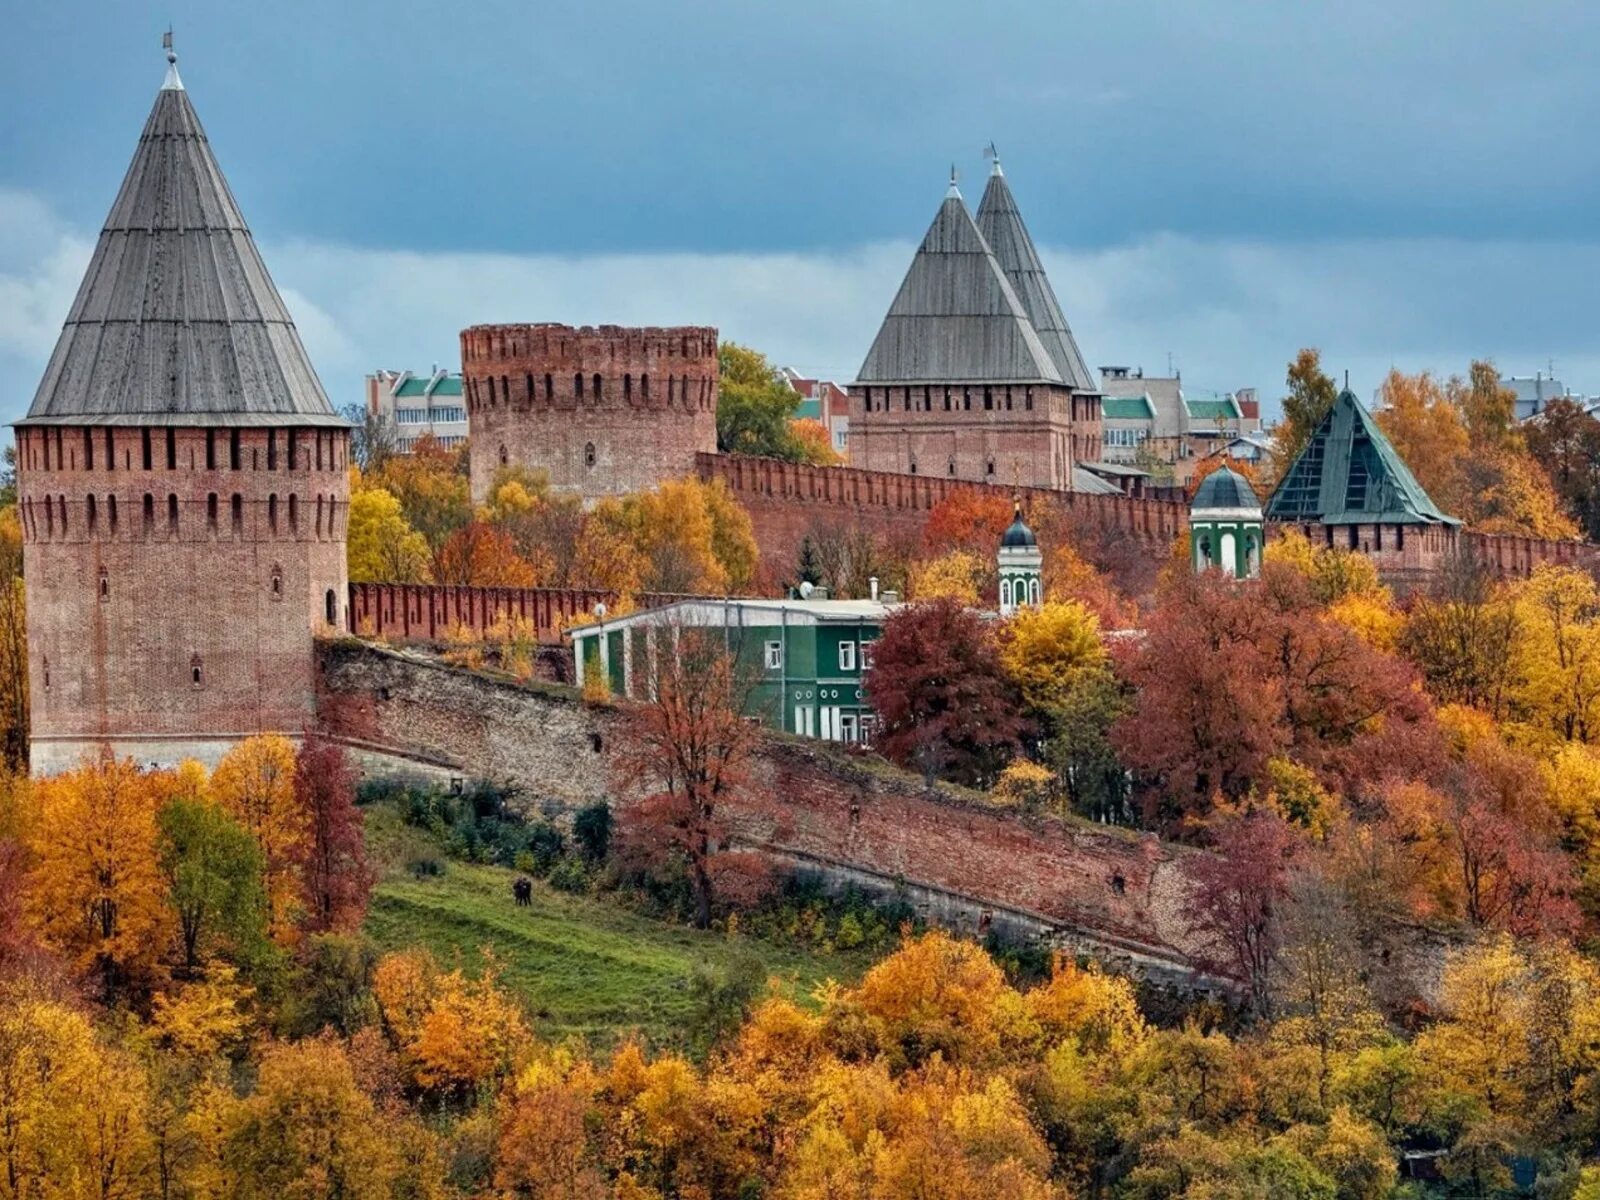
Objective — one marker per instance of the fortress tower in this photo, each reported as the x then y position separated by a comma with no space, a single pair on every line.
602,410
181,480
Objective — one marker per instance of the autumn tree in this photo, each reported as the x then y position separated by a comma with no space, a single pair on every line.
381,545
1564,440
95,891
943,701
333,870
431,485
956,575
479,555
811,442
1239,893
850,554
1311,395
969,520
213,871
1462,636
13,645
755,406
254,783
685,752
374,436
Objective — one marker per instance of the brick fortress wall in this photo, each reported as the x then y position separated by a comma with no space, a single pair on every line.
1111,893
603,410
175,579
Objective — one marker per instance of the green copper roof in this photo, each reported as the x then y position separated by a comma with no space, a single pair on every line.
1210,410
1224,488
1127,408
1349,474
417,385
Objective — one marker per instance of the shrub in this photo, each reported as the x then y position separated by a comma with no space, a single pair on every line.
1023,784
545,844
570,874
591,829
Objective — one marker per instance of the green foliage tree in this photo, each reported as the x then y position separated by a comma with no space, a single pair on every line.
755,405
214,875
1311,394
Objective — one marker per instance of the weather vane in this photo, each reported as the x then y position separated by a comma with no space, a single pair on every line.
166,44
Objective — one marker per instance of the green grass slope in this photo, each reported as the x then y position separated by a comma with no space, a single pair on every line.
583,965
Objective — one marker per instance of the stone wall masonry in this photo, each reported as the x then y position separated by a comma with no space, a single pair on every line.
1114,894
426,612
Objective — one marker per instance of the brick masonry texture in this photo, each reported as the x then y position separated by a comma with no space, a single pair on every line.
1118,895
424,612
603,410
164,635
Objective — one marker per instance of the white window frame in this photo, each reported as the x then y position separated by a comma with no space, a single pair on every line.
774,656
847,656
864,653
849,728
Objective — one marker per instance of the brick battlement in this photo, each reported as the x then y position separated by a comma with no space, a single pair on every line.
602,410
425,612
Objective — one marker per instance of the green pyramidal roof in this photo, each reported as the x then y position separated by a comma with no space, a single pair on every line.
1349,474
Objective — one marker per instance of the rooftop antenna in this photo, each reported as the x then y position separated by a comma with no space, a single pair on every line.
171,83
990,152
1347,379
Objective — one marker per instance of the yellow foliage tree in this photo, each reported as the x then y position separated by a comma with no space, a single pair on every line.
1557,655
1023,784
254,783
95,891
455,1034
381,545
957,575
1049,651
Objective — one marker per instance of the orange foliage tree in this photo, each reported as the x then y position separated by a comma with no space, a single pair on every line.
254,783
480,555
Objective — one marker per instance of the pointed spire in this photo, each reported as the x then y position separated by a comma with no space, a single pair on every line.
952,192
1001,224
992,152
177,321
171,83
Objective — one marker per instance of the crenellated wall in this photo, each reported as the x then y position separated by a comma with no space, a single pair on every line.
602,410
427,612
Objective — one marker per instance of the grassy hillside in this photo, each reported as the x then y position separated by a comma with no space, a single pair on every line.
582,964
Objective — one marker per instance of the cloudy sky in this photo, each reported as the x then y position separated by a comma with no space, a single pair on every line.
1411,183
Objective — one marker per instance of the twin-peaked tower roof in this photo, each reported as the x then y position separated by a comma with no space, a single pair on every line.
177,321
976,305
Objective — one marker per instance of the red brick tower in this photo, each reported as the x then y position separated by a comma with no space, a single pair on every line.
181,477
602,410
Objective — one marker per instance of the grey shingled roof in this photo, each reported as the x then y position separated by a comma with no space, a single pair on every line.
956,318
1350,474
177,321
1001,224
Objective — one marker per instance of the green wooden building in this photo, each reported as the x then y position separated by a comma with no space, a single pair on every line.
805,656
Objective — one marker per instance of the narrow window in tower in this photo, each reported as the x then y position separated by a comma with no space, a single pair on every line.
947,399
318,435
927,398
596,384
951,468
988,399
504,457
111,452
272,449
588,455
88,449
627,386
989,470
272,513
330,607
294,448
905,398
62,500
1008,397
277,582
505,390
111,514
105,585
61,458
211,512
966,399
577,385
172,514
319,516
238,514
549,387
644,386
211,449
233,450
149,514
1027,399
528,381
148,462
91,514
197,672
913,466
294,514
49,517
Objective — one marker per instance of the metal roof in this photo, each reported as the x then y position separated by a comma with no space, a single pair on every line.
956,317
1127,408
177,321
1001,224
1349,474
1225,489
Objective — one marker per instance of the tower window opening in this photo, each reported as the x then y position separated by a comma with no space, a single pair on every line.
145,447
49,517
952,465
294,448
528,384
988,399
62,500
172,514
211,512
272,513
644,386
88,449
588,455
549,387
111,452
294,513
627,386
318,435
233,450
577,385
197,673
172,449
272,449
1008,397
111,514
504,457
211,449
91,513
330,607
238,513
596,384
149,514
927,398
966,399
1027,399
989,470
319,516
105,584
277,582
61,458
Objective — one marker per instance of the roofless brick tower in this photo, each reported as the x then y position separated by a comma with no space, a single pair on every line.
603,410
182,483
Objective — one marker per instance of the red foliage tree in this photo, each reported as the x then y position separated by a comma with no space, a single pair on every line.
967,519
334,871
684,752
479,555
1230,675
1238,893
944,705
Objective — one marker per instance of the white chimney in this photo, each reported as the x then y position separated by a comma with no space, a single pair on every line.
873,584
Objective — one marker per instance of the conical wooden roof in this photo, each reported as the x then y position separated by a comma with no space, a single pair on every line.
177,321
956,317
1001,224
